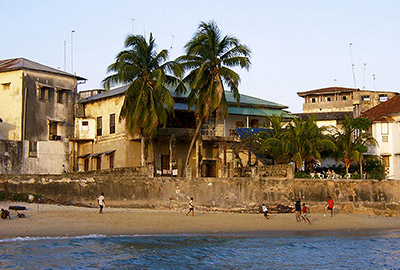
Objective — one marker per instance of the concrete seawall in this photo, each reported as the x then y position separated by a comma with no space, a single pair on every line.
125,189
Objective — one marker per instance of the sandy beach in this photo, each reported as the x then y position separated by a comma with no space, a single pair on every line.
53,220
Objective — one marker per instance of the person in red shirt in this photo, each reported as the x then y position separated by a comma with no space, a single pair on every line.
304,213
330,205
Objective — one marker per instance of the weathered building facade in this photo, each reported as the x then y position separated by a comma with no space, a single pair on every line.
103,143
36,106
332,104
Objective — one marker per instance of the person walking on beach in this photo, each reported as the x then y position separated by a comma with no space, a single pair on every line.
101,202
304,213
265,210
297,209
191,207
330,205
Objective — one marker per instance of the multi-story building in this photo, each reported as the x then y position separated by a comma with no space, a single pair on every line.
103,143
385,119
36,108
332,104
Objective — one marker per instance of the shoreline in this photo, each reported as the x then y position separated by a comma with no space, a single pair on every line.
45,220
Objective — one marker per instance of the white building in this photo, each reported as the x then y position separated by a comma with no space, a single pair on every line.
385,120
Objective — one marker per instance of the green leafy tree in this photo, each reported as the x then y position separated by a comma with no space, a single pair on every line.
147,101
352,140
208,60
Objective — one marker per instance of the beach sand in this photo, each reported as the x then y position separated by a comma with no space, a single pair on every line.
53,220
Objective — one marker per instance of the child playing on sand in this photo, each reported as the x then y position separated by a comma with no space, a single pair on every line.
265,210
191,207
101,202
330,205
304,213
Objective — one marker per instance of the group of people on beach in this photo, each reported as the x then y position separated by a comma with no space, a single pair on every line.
301,211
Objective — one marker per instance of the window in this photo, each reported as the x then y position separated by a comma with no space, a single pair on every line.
50,94
365,98
99,126
53,136
344,98
85,125
98,163
384,128
111,159
60,95
32,149
86,164
313,100
383,98
6,86
112,123
328,99
42,93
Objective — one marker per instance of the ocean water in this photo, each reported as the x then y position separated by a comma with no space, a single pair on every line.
372,251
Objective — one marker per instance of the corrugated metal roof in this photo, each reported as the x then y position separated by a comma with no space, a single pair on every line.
22,63
258,112
244,99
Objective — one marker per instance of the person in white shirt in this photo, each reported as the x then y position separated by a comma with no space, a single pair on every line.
191,207
101,202
265,210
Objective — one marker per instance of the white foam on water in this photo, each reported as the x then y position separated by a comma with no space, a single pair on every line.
29,238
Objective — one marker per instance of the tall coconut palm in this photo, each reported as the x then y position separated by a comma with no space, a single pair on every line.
147,100
352,140
208,61
304,141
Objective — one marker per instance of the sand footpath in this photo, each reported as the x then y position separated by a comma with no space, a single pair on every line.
54,220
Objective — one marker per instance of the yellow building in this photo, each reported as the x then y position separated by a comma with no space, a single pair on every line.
103,142
36,106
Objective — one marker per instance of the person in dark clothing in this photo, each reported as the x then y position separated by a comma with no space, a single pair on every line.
297,207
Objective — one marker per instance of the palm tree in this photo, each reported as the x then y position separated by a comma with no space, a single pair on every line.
352,140
269,143
304,141
147,101
208,61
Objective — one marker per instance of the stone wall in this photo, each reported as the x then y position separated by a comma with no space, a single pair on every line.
126,188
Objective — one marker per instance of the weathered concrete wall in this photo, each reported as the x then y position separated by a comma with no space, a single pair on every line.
11,153
127,188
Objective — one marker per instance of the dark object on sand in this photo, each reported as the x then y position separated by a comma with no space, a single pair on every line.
16,207
5,214
20,215
280,208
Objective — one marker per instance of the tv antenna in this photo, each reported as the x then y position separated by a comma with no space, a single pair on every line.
172,42
352,65
374,78
365,67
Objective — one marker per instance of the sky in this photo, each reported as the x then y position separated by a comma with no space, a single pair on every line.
296,45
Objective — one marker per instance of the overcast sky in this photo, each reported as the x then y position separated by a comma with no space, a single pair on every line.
296,45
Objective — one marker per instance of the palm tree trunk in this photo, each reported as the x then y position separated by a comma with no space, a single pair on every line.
143,154
196,133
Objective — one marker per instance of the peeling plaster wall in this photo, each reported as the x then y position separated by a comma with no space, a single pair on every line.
124,188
